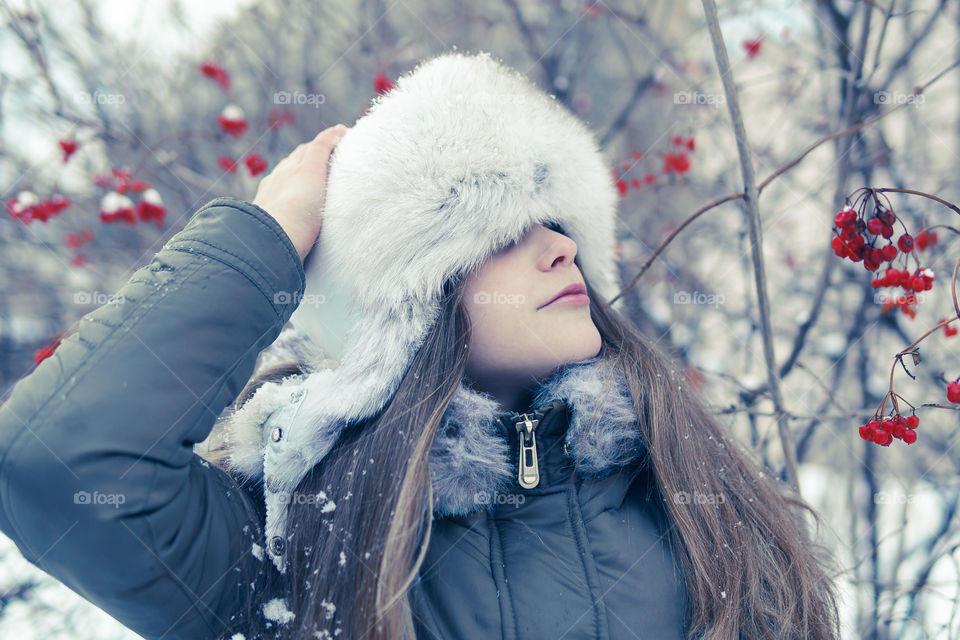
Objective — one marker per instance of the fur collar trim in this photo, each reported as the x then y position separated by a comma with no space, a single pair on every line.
470,458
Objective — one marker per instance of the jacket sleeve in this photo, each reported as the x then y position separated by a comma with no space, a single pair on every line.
99,483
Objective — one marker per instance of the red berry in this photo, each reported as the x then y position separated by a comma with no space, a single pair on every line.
887,231
381,83
845,218
839,247
255,163
910,436
68,146
875,226
889,252
886,216
905,243
953,392
947,329
913,422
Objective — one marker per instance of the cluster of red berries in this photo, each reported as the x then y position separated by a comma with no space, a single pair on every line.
27,207
677,161
919,280
115,206
858,237
884,430
851,241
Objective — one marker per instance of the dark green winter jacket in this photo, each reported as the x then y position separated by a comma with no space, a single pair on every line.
100,486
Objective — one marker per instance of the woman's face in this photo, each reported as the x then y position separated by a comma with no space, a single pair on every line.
517,338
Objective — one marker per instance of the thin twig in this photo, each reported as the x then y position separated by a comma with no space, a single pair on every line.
752,210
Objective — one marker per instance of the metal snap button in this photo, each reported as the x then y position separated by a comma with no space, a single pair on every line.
276,545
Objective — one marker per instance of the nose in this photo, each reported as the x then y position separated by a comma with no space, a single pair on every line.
559,249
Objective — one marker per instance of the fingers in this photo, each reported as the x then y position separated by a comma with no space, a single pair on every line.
330,133
321,147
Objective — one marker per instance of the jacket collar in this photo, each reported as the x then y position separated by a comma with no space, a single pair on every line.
472,461
473,458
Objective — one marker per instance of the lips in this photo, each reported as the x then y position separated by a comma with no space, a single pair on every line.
569,289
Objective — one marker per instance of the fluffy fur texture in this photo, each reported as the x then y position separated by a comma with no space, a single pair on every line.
469,459
459,159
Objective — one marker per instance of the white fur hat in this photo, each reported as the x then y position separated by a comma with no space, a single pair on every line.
459,159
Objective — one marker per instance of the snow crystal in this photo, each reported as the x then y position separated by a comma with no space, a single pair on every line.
257,550
114,201
153,197
343,558
232,112
27,199
277,610
329,607
723,594
328,507
238,636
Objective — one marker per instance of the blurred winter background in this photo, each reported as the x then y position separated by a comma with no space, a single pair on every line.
118,119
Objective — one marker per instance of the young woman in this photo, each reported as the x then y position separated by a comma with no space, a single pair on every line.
536,468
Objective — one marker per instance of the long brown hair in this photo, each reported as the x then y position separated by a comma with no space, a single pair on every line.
751,569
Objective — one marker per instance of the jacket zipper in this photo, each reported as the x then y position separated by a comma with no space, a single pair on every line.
528,470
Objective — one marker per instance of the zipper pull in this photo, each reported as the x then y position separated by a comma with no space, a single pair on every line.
528,473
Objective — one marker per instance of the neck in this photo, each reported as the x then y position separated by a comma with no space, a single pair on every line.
508,397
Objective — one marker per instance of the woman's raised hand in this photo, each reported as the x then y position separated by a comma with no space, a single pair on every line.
295,191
